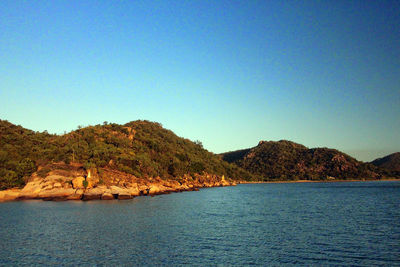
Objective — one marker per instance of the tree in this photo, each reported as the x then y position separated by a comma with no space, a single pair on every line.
26,167
199,143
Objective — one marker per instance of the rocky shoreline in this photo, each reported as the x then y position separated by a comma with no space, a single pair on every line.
61,188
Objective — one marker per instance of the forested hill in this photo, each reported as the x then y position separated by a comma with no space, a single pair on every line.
141,148
391,163
285,160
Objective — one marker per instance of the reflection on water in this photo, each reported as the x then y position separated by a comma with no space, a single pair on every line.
264,224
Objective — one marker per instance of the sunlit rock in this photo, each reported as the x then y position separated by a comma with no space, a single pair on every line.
78,182
107,196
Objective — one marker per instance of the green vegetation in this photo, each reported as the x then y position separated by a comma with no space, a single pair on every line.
141,148
285,160
145,149
19,152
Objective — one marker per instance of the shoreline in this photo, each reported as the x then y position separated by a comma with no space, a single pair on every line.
314,181
34,191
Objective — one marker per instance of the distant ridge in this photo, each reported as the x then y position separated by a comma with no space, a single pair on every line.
286,160
390,163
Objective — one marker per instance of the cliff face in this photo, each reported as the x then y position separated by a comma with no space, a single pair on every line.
285,160
140,149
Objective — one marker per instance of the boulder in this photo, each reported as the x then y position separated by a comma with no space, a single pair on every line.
225,183
124,196
102,187
9,195
78,194
143,190
121,193
56,194
67,185
115,190
54,178
172,184
31,190
133,189
156,189
78,182
74,197
184,187
107,196
91,182
93,193
207,184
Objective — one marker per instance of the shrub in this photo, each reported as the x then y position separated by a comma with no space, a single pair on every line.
26,167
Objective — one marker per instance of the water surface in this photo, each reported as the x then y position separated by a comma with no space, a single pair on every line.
356,223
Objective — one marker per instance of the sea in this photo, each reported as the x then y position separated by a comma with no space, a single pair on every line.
282,224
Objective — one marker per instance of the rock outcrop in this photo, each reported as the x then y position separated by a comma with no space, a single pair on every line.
9,195
78,182
60,188
107,196
93,193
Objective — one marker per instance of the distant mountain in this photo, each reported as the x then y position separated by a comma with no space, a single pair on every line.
390,163
286,160
142,149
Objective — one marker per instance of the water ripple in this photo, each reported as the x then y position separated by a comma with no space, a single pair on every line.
260,224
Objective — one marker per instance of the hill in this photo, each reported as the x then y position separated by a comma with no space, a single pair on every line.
391,163
141,149
285,160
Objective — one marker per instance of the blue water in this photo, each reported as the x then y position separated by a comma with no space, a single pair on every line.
354,223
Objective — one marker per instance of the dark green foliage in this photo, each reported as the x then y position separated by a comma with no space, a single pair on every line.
26,167
196,167
234,155
14,174
19,149
142,148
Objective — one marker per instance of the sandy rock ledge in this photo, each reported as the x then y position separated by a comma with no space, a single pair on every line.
60,188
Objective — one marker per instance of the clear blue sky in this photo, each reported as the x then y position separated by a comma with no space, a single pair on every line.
228,73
